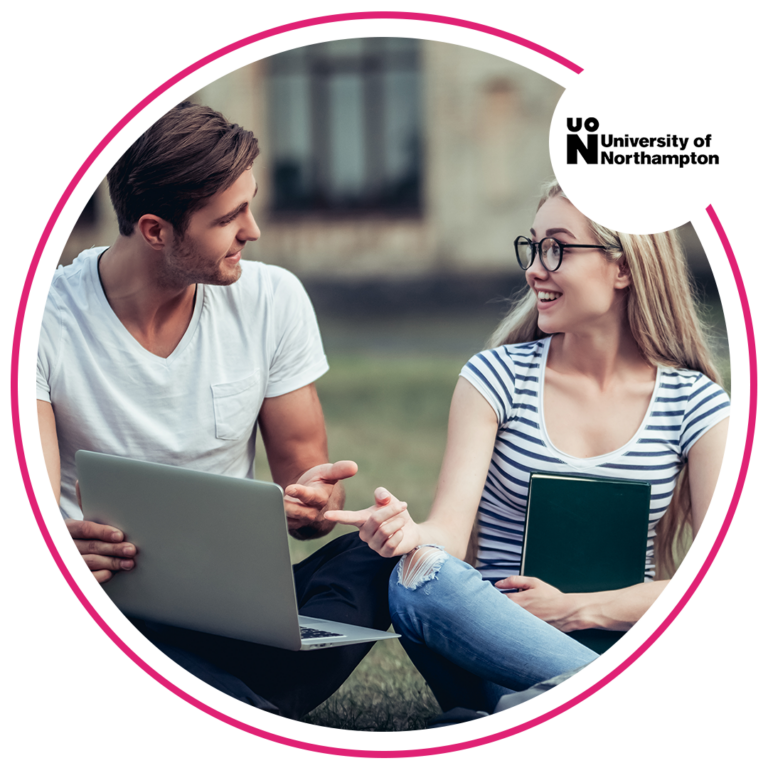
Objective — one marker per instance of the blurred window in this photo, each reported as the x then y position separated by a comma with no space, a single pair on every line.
346,126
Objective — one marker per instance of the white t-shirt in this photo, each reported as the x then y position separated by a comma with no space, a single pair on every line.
196,408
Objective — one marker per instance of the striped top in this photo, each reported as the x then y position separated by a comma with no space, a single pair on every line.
684,405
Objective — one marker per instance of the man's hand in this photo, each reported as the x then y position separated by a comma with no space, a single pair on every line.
386,527
103,548
314,492
544,600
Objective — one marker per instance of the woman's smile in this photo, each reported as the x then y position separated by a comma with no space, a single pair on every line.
547,299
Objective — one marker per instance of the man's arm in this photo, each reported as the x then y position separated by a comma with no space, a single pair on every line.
50,441
101,546
293,429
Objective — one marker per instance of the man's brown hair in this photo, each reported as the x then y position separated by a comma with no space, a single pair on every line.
186,157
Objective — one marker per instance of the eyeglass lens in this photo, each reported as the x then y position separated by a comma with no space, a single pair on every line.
548,248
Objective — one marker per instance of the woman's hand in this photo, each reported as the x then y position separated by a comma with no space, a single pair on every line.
545,601
386,526
617,609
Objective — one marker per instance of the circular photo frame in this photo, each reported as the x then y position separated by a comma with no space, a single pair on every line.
98,617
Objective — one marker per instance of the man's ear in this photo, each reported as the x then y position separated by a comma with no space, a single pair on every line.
156,232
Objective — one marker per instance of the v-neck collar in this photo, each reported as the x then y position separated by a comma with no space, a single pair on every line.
112,318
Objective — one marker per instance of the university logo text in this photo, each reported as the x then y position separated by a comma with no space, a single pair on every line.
592,152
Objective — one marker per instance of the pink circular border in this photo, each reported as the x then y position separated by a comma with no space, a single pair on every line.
111,634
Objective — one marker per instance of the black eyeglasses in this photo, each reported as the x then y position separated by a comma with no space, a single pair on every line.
550,251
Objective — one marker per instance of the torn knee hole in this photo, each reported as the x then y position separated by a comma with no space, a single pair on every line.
420,566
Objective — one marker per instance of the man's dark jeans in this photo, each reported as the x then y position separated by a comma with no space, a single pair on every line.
344,581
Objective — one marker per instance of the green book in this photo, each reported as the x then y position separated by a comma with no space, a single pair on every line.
586,534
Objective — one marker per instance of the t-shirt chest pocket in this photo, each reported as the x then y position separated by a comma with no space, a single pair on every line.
236,406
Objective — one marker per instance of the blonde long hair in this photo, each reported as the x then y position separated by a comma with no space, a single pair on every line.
662,317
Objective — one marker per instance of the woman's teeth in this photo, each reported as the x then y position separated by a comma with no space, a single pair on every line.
548,295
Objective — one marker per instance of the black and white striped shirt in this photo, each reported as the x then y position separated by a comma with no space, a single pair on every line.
685,404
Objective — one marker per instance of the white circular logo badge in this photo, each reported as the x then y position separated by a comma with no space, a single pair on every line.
642,141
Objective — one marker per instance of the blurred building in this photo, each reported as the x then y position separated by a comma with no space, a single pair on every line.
392,164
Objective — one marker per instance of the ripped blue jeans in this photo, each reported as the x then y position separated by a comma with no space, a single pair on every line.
470,641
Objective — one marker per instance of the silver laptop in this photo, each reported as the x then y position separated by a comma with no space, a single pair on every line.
212,553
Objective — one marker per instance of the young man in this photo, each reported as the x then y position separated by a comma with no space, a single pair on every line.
167,347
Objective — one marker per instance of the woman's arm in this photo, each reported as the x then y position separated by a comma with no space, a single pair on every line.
388,528
472,428
620,609
617,609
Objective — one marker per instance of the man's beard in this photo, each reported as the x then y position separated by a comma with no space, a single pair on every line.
185,265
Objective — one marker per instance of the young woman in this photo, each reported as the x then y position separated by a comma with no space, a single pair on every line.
602,370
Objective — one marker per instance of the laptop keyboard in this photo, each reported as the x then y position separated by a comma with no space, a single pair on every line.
307,633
